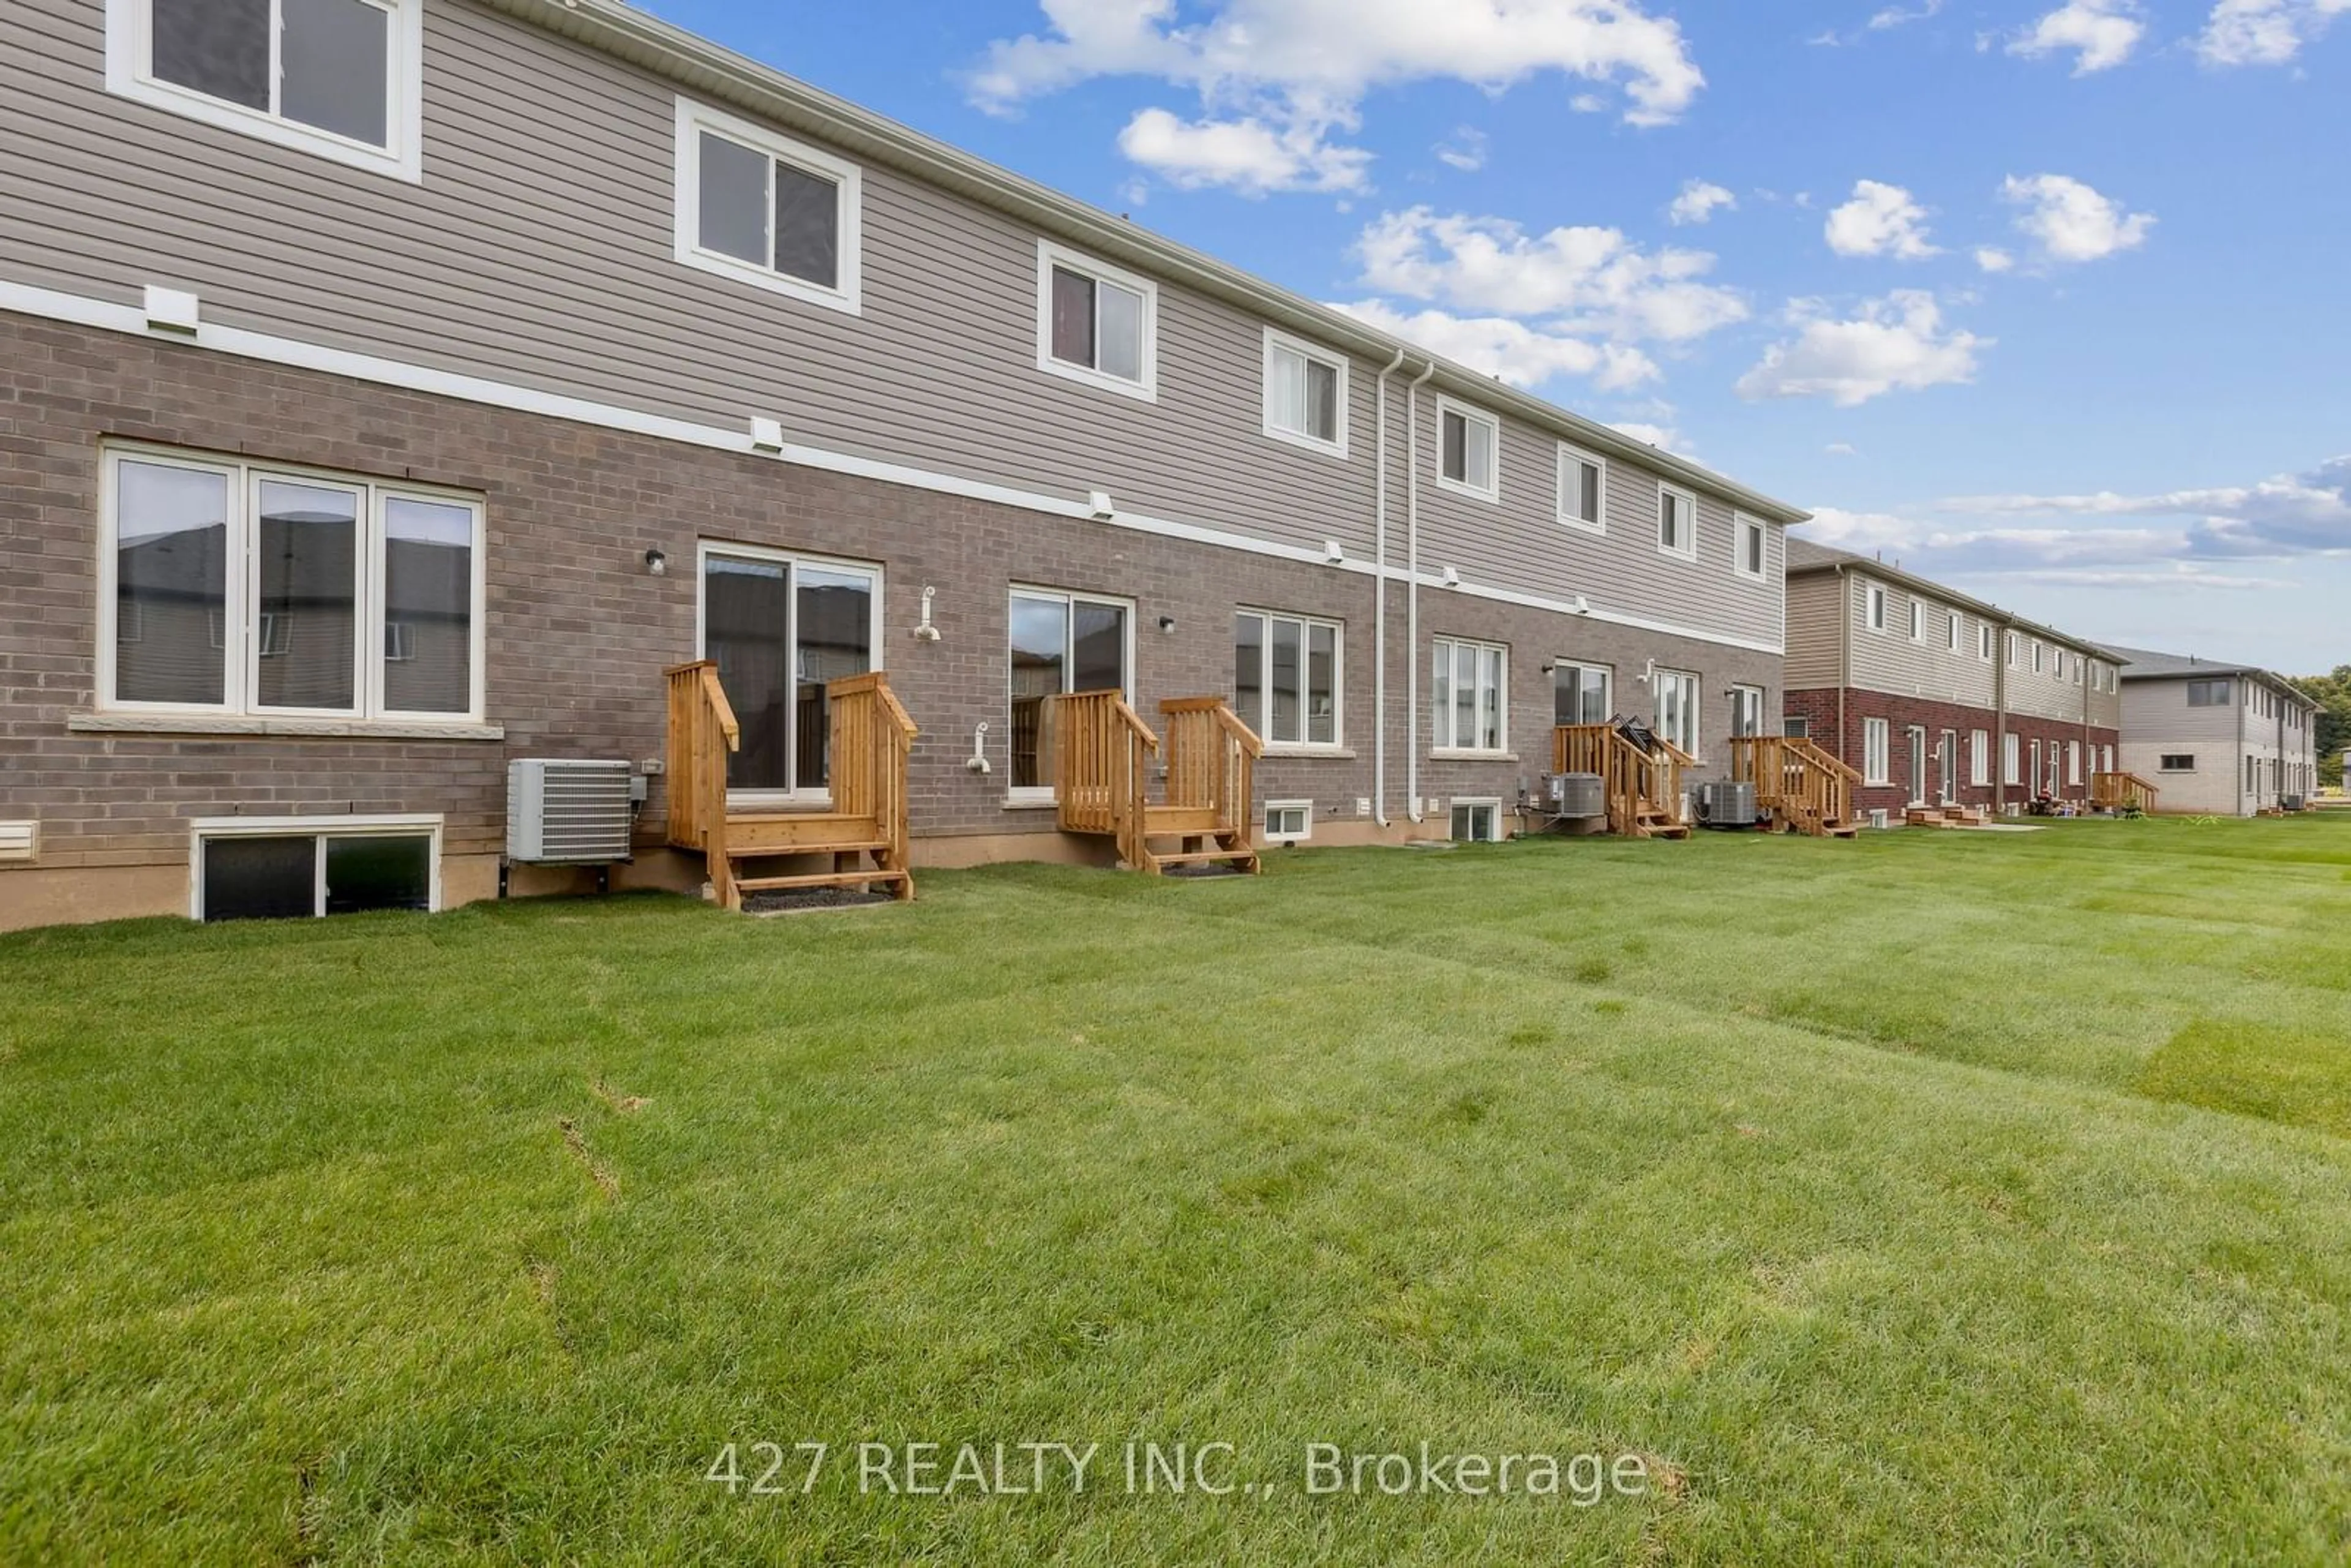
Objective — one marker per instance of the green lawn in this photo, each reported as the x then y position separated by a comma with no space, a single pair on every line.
1940,1198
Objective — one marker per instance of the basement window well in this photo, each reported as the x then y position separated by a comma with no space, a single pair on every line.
299,868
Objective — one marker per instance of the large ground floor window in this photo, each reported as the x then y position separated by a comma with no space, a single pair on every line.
1677,708
1286,677
1468,683
779,627
254,589
1060,643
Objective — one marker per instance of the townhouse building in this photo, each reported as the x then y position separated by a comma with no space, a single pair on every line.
1937,697
393,389
2217,738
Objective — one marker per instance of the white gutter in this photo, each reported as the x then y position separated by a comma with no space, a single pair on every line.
1412,590
1380,607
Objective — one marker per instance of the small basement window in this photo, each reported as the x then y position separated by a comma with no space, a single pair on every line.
2177,762
1288,822
289,868
1478,821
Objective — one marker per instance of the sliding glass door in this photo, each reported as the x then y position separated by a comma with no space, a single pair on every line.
779,627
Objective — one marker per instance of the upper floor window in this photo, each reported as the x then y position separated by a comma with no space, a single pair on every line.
1468,451
1096,324
1874,606
1286,677
1305,394
1918,619
1676,522
2207,693
766,210
1582,490
252,589
1754,548
2040,656
1984,641
340,78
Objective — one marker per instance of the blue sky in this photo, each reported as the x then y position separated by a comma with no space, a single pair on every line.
2045,298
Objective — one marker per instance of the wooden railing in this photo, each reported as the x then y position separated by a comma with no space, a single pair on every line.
1795,780
1639,785
869,737
702,731
2122,792
1211,761
1102,764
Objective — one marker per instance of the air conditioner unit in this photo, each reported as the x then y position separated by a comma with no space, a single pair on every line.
561,811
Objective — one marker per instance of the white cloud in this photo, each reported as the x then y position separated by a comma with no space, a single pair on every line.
2048,556
1991,258
2263,32
1277,77
2101,33
1880,220
1467,150
1497,346
2288,514
2070,222
1664,437
1898,343
1589,280
1248,155
1698,201
1895,16
1842,449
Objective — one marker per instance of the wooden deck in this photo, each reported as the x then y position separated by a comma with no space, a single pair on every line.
1804,789
1643,788
1103,754
869,735
2122,792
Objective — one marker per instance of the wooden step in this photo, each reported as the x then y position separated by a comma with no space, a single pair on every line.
735,852
816,879
1201,857
1170,821
812,832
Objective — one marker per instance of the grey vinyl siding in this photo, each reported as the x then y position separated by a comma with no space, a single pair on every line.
1889,661
538,251
1816,654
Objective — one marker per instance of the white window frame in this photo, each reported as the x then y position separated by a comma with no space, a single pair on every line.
1918,619
1745,531
1266,834
1607,673
1490,804
1954,623
2011,760
1987,643
404,825
1306,624
1916,746
1493,423
2040,656
1979,758
792,561
1049,794
131,74
239,645
1050,256
1745,697
1696,692
693,120
1576,457
1689,499
1278,342
2074,764
1446,746
1874,606
1876,752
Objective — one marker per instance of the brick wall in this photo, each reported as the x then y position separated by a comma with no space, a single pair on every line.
578,631
1819,707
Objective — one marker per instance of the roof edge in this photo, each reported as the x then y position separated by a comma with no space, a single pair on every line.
1847,561
696,62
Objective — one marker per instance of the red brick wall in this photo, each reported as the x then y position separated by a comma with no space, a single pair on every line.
1819,706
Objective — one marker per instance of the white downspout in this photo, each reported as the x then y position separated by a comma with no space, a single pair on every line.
1412,590
1379,608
